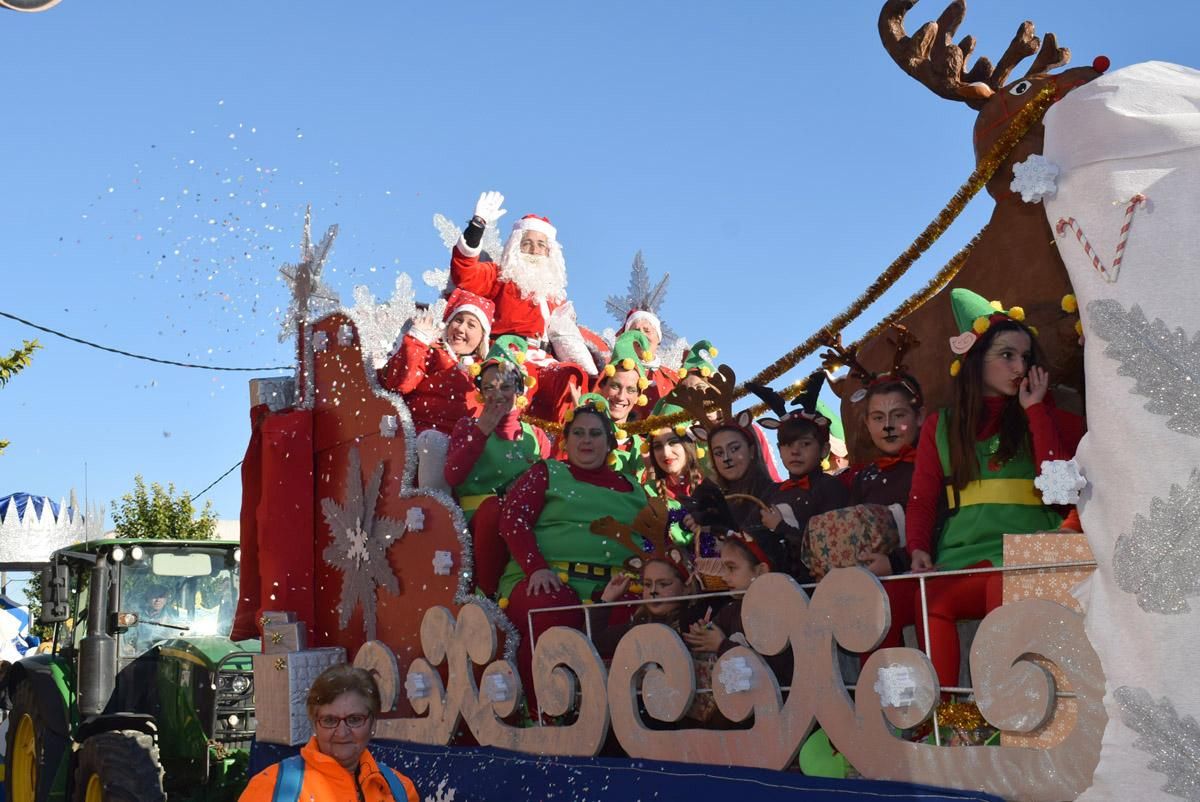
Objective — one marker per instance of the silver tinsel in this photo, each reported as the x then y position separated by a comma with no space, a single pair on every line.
360,544
1164,363
1172,741
1159,560
641,296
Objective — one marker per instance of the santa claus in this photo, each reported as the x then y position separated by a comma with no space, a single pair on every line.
529,288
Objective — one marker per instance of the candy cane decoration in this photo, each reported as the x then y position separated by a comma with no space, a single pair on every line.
1105,273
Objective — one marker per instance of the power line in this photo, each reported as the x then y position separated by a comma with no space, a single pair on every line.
138,356
214,481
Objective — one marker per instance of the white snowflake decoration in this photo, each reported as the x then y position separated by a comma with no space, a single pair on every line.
380,324
1035,178
736,675
345,335
414,519
896,686
417,686
311,299
450,231
438,279
388,426
360,544
497,688
443,562
671,356
320,342
1060,481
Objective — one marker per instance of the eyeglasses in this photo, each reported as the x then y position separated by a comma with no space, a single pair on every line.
357,721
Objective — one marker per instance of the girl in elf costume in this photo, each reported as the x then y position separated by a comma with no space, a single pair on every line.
803,444
430,372
981,455
489,452
623,383
546,519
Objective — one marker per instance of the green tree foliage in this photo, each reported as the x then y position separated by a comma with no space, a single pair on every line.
156,512
13,364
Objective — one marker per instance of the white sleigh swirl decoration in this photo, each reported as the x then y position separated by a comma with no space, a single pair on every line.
848,608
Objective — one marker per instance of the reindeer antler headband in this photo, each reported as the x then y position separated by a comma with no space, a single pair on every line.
806,401
840,355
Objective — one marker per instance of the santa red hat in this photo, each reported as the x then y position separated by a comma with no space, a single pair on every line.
531,222
642,314
463,301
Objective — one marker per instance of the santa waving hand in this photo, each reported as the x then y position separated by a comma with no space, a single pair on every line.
529,289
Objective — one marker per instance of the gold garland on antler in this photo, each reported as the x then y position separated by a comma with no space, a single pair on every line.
986,167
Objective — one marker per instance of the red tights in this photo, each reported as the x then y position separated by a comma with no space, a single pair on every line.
953,599
519,605
489,549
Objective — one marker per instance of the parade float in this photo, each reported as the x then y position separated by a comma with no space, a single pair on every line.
1083,669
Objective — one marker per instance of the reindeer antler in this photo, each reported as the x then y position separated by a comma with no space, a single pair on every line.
931,56
840,355
904,342
716,394
652,523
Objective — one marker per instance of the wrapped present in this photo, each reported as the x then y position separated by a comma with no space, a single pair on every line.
1055,584
281,685
842,538
275,617
283,638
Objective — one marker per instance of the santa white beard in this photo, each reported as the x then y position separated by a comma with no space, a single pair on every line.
542,278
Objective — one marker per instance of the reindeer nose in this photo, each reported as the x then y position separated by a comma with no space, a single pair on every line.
1101,64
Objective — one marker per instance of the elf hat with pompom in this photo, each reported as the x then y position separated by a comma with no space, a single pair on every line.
507,353
531,222
698,358
974,315
631,351
463,301
592,402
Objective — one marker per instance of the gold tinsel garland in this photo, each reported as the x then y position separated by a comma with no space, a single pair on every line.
986,167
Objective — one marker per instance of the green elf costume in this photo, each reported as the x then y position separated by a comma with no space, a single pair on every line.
546,522
481,464
628,354
1003,500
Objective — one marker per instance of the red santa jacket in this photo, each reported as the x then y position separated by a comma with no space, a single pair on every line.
436,388
514,314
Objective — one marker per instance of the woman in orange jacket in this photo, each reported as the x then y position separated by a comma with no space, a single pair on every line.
335,766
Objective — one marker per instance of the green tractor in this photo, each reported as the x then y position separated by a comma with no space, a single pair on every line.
142,696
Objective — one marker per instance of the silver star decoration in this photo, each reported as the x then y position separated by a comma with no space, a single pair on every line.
1172,740
310,296
641,296
380,324
360,544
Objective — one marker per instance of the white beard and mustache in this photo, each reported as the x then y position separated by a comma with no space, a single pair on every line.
542,278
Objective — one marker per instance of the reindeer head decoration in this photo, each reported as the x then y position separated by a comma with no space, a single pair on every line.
652,524
931,56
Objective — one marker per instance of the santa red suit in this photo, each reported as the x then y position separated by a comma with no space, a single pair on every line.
524,298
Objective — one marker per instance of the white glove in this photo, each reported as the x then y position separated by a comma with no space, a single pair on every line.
488,206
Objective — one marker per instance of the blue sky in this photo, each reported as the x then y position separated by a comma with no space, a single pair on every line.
158,157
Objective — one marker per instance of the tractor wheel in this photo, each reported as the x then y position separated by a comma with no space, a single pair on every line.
28,778
119,766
